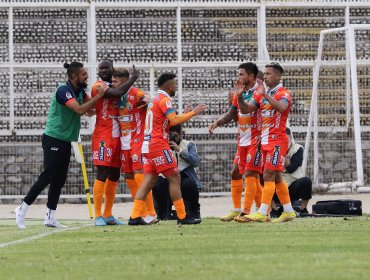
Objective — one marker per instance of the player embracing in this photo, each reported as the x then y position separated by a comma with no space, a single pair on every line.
275,103
106,145
131,119
157,155
248,159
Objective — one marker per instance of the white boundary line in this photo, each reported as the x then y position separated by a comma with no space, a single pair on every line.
31,238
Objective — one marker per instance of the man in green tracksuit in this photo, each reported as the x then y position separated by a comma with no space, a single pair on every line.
68,103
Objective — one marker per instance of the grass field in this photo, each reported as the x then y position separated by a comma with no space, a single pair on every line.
325,248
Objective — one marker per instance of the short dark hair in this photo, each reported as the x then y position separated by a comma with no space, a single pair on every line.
121,72
176,128
288,132
250,68
165,77
107,59
72,68
276,66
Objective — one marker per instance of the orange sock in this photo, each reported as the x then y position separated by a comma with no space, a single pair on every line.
131,184
149,204
98,196
180,208
258,196
110,194
249,193
138,209
268,192
236,193
282,192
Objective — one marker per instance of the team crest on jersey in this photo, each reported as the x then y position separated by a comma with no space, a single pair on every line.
249,157
168,104
268,158
129,106
135,158
101,150
167,155
275,156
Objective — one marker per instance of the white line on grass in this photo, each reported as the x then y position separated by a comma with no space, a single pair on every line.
31,238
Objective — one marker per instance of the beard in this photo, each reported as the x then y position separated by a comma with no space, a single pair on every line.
83,85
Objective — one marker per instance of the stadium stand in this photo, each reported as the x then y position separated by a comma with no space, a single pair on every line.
149,35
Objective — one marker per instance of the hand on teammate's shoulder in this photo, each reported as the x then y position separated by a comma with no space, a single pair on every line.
101,89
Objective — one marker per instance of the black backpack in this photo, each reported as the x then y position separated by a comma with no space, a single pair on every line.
346,207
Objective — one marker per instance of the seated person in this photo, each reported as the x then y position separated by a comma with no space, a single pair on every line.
187,158
300,187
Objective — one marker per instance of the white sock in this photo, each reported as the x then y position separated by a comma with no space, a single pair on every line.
263,209
237,210
288,208
50,214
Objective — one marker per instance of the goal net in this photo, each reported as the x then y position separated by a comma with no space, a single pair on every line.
339,106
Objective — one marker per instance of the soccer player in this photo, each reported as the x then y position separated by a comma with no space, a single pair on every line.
106,145
248,159
68,103
132,120
275,103
157,155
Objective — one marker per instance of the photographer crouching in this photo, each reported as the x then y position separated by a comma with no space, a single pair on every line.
187,158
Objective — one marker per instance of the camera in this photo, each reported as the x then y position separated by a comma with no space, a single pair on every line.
172,138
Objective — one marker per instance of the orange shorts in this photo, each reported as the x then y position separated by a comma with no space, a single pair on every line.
161,161
274,155
131,160
106,151
249,158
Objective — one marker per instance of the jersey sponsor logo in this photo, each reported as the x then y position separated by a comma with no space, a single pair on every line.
102,150
144,160
168,104
68,95
159,160
257,158
95,155
167,154
54,148
275,156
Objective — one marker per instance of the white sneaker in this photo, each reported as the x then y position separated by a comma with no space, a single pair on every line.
19,217
53,223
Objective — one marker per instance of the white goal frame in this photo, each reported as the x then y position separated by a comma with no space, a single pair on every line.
351,90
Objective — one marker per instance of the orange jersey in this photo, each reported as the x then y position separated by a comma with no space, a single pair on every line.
249,125
273,122
131,120
106,115
157,125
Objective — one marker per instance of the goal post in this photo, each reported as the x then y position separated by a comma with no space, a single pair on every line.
336,115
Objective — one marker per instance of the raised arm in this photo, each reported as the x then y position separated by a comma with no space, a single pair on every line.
279,105
90,102
178,119
125,87
226,118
